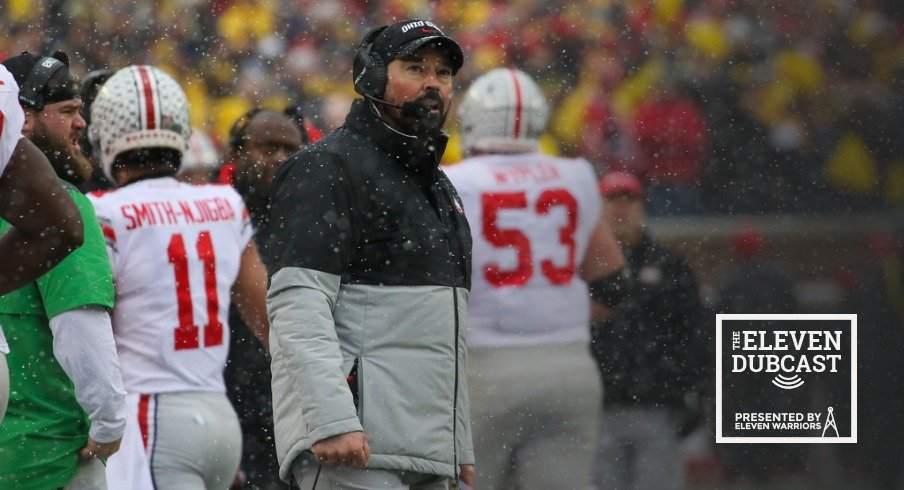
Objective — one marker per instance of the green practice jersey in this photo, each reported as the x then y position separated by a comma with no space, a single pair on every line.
44,426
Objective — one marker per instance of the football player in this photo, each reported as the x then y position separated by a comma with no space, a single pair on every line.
541,253
180,253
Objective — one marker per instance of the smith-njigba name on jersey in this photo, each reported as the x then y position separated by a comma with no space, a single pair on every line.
176,212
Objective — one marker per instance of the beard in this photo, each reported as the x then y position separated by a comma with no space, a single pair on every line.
67,164
429,125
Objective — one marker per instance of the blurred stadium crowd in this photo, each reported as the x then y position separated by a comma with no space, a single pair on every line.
721,106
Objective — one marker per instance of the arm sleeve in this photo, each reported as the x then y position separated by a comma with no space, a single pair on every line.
83,345
85,277
312,243
312,219
303,338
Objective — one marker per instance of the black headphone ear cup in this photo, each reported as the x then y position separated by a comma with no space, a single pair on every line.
235,133
238,131
30,92
379,77
369,69
371,78
360,69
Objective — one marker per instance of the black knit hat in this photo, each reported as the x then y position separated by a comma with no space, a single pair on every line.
42,79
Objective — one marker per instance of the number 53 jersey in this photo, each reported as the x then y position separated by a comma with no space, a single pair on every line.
531,218
176,250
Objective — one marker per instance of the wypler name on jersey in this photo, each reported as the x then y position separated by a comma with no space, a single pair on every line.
520,175
157,213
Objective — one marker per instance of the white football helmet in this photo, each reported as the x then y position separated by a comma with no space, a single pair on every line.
201,152
504,111
138,107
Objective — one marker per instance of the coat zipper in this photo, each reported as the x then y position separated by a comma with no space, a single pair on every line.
449,234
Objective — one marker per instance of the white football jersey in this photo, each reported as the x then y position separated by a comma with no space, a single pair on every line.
11,120
531,219
11,117
176,250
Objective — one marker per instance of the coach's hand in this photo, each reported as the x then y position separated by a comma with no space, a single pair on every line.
466,475
99,450
349,449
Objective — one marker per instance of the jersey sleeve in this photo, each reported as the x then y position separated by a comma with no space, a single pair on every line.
591,193
85,277
245,228
11,117
107,226
459,177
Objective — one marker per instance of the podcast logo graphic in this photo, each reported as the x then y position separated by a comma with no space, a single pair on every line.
771,369
787,382
830,422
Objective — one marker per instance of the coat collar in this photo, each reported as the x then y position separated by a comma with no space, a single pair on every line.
409,151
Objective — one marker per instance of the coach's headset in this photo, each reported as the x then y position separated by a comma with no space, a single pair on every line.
32,93
369,68
370,76
238,133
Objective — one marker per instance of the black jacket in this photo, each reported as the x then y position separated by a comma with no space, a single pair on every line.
651,350
399,218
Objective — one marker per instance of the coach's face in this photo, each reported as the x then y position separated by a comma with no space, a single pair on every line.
61,120
625,215
56,131
270,138
425,77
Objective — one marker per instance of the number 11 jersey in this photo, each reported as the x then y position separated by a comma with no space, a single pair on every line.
531,216
176,249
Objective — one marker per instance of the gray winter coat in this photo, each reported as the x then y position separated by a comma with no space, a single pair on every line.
370,270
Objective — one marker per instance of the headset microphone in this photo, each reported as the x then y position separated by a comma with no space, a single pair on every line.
415,109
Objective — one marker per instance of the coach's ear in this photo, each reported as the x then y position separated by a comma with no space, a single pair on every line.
29,124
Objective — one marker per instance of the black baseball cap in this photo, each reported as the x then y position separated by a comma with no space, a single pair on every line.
403,38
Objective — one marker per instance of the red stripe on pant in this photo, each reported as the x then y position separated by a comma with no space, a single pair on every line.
143,405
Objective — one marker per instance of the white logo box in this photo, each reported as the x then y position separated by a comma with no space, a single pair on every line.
852,439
